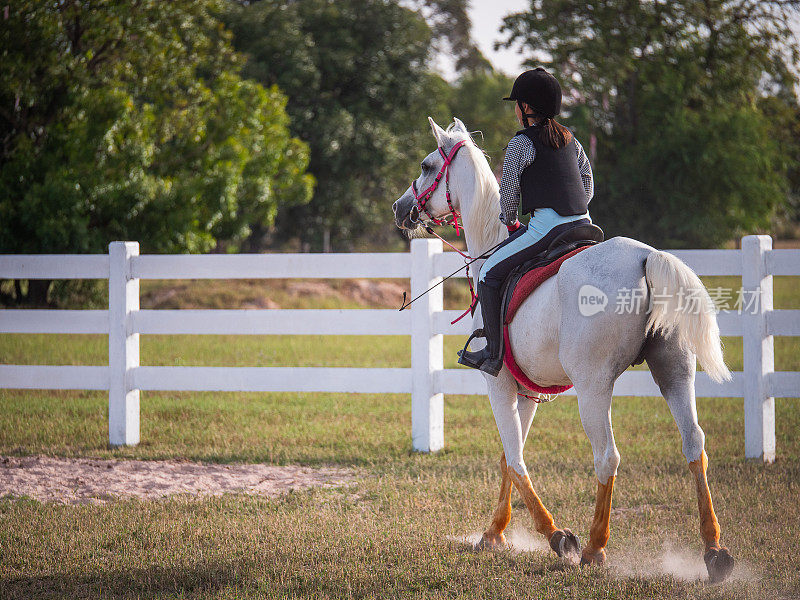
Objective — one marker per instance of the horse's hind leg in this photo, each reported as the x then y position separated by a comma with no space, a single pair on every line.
493,537
673,369
594,405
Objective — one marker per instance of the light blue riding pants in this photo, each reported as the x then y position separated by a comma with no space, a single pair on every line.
502,261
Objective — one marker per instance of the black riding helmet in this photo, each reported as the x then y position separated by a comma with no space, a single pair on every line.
538,89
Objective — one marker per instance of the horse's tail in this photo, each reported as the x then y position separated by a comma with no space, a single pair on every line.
681,304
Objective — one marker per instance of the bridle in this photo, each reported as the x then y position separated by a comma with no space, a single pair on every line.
421,198
421,201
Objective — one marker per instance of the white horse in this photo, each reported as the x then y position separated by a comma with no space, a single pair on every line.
555,344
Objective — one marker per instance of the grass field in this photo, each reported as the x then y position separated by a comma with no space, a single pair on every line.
395,534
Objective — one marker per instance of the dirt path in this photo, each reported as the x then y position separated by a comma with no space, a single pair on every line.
94,481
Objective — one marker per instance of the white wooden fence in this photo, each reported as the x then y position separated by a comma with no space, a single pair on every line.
427,381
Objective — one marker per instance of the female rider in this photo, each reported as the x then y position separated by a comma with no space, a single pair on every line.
546,173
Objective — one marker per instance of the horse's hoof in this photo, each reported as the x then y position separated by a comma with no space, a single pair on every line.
598,557
565,544
719,563
491,541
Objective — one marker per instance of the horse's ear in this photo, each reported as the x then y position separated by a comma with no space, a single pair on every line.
460,124
437,131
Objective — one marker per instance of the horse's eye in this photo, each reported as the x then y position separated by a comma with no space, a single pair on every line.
425,167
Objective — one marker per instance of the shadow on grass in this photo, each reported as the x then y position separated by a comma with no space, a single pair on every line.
132,583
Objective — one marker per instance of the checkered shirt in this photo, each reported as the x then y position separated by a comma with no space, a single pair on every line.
519,154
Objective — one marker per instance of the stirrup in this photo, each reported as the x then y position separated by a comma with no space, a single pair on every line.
482,359
464,354
475,334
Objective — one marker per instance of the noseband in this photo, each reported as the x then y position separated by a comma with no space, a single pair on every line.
422,198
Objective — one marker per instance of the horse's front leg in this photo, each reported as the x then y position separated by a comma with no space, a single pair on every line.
493,537
503,398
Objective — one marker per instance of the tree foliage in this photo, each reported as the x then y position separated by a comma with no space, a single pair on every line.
476,99
128,120
356,74
451,28
674,93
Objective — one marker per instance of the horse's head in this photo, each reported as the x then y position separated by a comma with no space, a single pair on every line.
426,199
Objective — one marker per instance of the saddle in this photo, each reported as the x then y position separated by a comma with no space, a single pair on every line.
531,274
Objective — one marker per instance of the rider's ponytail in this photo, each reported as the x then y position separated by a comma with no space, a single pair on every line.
553,133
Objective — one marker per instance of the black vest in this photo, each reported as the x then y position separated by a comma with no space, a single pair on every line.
553,179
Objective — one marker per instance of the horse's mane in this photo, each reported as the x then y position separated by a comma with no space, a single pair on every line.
485,227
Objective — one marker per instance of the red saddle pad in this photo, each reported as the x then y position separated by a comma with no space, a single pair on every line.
524,288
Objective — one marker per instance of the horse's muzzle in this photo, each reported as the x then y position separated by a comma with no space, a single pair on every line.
406,213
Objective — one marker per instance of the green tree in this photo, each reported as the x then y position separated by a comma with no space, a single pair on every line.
128,120
687,155
476,99
784,114
451,28
356,74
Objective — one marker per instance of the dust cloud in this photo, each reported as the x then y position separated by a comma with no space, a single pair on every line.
518,538
672,561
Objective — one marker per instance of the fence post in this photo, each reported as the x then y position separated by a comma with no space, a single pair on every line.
759,353
123,345
427,349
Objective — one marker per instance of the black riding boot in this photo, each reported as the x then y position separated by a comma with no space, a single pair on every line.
489,359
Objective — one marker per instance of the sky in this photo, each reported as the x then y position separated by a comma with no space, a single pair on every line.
486,17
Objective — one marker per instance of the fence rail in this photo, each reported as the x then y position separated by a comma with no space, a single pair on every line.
426,322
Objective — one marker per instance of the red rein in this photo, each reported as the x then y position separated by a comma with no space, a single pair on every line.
473,303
